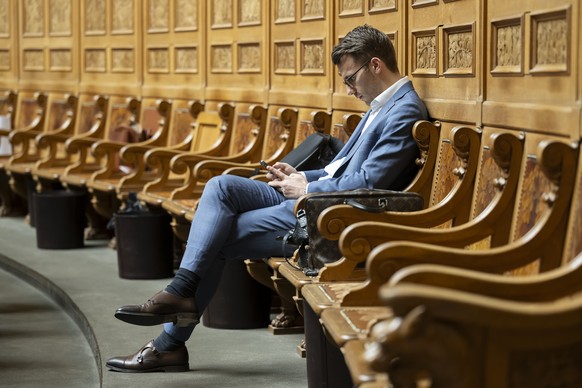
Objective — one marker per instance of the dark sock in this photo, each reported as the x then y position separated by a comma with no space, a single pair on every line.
184,284
167,343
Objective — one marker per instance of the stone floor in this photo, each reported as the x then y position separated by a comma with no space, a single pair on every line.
57,326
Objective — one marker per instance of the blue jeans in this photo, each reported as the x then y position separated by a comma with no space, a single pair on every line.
237,218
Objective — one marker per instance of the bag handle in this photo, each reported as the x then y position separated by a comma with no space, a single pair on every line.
382,205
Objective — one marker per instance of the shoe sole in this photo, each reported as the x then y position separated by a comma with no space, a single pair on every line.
145,319
169,368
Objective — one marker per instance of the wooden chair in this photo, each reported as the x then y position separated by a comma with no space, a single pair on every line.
87,119
125,169
540,248
35,109
467,329
10,203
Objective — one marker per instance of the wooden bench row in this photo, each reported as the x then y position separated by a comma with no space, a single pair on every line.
163,150
506,209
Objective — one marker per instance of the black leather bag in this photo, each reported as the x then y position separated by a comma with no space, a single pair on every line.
314,251
315,152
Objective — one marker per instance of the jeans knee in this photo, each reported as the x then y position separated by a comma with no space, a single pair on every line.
221,184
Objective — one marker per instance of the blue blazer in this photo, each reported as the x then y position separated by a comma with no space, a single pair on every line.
384,156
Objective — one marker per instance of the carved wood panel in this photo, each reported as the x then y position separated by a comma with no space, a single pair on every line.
60,18
95,14
5,19
507,46
425,54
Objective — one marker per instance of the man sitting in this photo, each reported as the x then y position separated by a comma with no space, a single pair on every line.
239,218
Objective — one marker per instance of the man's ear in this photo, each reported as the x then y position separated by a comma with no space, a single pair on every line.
377,64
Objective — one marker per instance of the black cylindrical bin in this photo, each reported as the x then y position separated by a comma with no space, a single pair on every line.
144,245
240,302
59,219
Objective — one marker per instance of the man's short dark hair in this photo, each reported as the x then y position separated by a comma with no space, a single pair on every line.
363,43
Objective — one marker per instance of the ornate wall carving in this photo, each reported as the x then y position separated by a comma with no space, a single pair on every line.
424,56
95,17
221,13
312,9
507,40
550,42
186,60
33,60
61,59
458,50
312,56
186,12
285,57
158,15
60,17
33,17
249,57
122,15
221,57
351,7
122,60
285,11
95,60
249,12
381,5
158,60
4,18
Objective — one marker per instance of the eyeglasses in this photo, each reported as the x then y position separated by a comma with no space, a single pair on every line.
349,81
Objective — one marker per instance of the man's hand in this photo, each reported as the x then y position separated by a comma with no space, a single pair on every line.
279,167
290,185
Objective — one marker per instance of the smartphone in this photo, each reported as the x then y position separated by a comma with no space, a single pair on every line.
264,164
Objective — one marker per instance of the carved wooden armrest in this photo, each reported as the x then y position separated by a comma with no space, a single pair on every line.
78,144
5,132
449,337
106,150
19,136
386,259
540,287
134,153
44,140
359,239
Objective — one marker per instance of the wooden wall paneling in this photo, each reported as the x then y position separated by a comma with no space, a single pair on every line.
48,45
300,47
386,15
8,44
532,66
111,46
173,52
237,53
445,42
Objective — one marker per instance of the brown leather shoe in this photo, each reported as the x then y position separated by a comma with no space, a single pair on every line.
149,359
161,308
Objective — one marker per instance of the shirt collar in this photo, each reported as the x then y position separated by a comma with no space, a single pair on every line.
381,100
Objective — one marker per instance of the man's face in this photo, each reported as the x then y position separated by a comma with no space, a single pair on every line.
357,78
